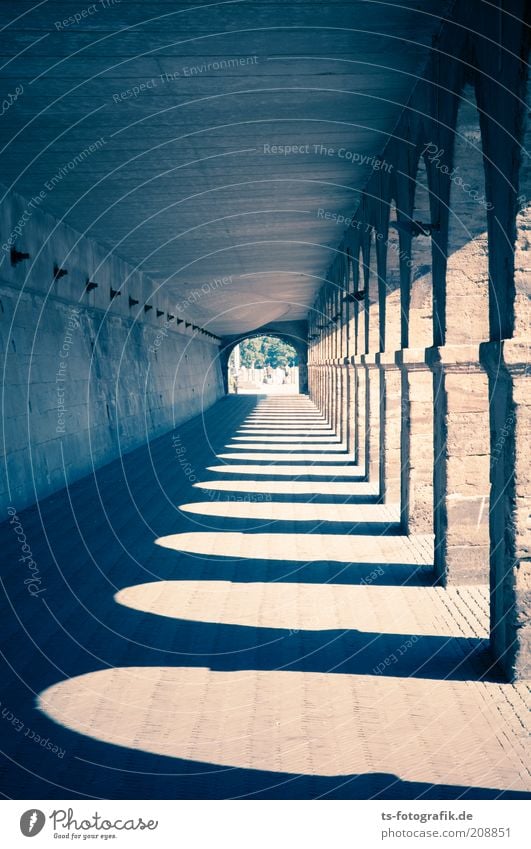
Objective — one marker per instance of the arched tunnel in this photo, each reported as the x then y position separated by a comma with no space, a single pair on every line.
295,333
301,595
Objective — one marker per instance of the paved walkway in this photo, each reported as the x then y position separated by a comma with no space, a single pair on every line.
229,612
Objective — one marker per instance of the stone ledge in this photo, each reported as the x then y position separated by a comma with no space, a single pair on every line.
387,359
454,358
512,356
138,320
412,358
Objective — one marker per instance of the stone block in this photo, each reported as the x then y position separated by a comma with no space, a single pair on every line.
467,564
468,433
467,521
466,393
466,476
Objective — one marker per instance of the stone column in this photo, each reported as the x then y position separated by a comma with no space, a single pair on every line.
350,435
390,378
332,395
329,395
337,318
338,383
461,472
461,312
372,418
390,416
509,374
416,441
361,416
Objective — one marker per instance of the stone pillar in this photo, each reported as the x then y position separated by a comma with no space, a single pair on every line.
332,395
339,400
361,417
461,310
390,417
329,395
372,419
350,376
416,442
461,472
510,515
390,378
345,377
508,366
304,386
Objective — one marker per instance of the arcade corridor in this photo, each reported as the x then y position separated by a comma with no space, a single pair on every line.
264,630
322,594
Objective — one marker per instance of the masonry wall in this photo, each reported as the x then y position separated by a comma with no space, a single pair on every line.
448,212
87,377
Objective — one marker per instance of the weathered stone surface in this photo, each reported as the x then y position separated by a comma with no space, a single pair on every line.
90,378
466,393
467,564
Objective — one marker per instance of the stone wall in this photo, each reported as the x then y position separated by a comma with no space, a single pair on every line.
453,204
86,376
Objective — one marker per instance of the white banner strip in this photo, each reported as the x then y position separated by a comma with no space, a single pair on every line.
266,824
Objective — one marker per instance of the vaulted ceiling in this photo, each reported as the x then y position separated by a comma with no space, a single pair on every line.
186,181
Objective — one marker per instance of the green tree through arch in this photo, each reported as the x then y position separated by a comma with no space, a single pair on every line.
264,351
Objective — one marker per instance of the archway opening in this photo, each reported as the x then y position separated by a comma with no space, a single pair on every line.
264,365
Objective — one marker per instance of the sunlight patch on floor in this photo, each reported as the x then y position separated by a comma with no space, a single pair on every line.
331,441
287,430
294,487
307,548
288,471
295,447
292,456
286,511
296,722
304,607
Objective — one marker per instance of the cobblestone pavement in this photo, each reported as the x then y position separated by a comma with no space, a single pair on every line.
229,612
